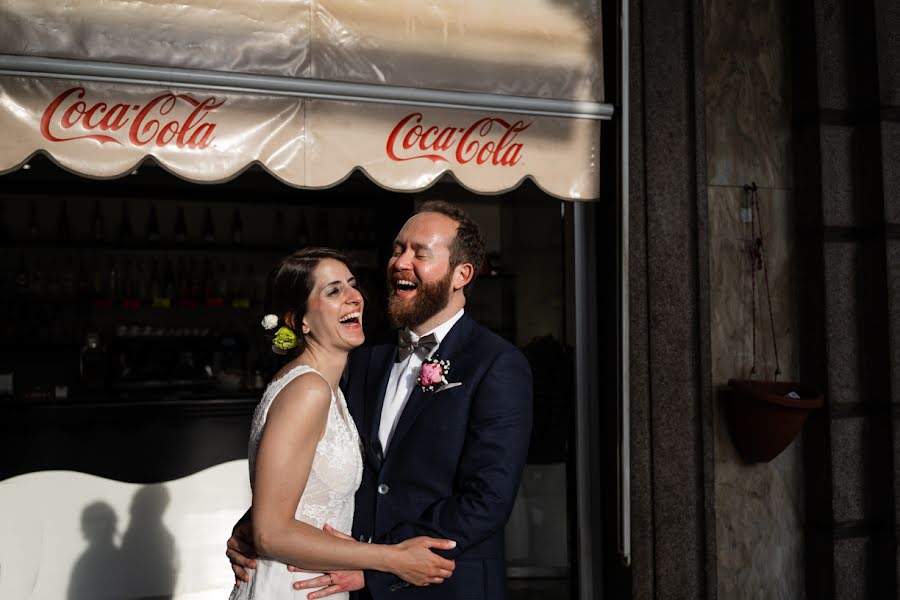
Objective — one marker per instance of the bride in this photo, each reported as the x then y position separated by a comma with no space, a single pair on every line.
304,450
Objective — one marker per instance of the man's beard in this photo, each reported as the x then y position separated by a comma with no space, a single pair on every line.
431,298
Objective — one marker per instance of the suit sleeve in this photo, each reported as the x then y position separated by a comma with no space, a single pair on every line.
490,467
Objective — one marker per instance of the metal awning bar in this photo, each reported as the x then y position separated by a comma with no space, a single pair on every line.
246,83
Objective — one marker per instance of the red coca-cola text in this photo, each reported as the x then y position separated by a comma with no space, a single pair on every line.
487,140
147,123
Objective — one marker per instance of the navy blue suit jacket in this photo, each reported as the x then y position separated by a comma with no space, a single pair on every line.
453,467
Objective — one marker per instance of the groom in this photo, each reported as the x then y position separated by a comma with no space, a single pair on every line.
446,461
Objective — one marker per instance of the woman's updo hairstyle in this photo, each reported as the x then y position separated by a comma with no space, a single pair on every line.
291,283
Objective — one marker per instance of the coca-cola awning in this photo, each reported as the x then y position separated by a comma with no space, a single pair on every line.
404,90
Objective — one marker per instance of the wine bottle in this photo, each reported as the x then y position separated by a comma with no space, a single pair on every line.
4,228
209,234
152,226
322,229
237,228
22,277
180,226
126,233
97,223
351,231
33,227
63,232
302,232
278,229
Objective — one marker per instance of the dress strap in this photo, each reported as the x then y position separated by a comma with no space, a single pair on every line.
279,384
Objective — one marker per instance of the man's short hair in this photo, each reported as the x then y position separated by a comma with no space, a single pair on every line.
468,245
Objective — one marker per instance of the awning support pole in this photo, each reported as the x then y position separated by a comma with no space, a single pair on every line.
624,385
246,83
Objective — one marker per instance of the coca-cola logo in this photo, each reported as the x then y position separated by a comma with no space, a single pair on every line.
486,141
166,119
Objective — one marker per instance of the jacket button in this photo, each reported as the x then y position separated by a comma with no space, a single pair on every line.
383,489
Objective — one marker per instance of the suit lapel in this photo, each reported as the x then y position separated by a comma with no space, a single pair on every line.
418,400
380,364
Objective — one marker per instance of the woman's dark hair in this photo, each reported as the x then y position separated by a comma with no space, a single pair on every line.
290,284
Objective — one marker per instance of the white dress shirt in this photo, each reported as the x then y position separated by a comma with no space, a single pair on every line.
402,380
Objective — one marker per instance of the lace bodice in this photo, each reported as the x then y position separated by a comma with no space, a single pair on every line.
337,466
328,498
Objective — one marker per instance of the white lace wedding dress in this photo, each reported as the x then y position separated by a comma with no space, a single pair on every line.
328,498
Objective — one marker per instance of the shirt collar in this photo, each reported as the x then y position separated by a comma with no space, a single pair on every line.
441,331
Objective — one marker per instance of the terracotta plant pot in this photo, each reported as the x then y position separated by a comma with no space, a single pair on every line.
764,419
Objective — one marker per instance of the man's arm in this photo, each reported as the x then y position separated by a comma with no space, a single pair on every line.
490,467
240,550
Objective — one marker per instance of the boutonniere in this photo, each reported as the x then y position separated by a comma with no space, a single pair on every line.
433,372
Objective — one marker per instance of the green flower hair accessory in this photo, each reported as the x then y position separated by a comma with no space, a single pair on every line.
284,340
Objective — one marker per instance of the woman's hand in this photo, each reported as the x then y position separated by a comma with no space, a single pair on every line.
414,562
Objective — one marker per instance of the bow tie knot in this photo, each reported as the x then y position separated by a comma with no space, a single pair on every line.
407,345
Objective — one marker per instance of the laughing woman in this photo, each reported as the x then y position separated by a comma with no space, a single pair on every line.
304,450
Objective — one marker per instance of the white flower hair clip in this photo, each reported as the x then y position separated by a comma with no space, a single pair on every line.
270,322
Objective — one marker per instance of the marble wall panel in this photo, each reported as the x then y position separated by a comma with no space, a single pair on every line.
842,271
732,287
747,87
838,199
759,508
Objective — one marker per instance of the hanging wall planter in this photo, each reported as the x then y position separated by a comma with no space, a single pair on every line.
766,416
765,419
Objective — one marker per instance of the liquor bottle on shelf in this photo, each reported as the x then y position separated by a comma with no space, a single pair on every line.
221,282
168,287
278,228
126,233
155,291
195,282
63,231
322,229
4,228
22,276
352,240
240,297
69,278
142,282
180,226
211,288
303,239
82,280
209,234
182,285
33,227
115,282
97,223
251,286
371,233
52,279
237,228
93,362
152,226
130,297
98,285
36,285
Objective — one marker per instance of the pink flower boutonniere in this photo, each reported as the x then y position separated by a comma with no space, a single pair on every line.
433,372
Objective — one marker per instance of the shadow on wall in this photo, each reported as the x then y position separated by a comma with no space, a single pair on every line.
143,566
